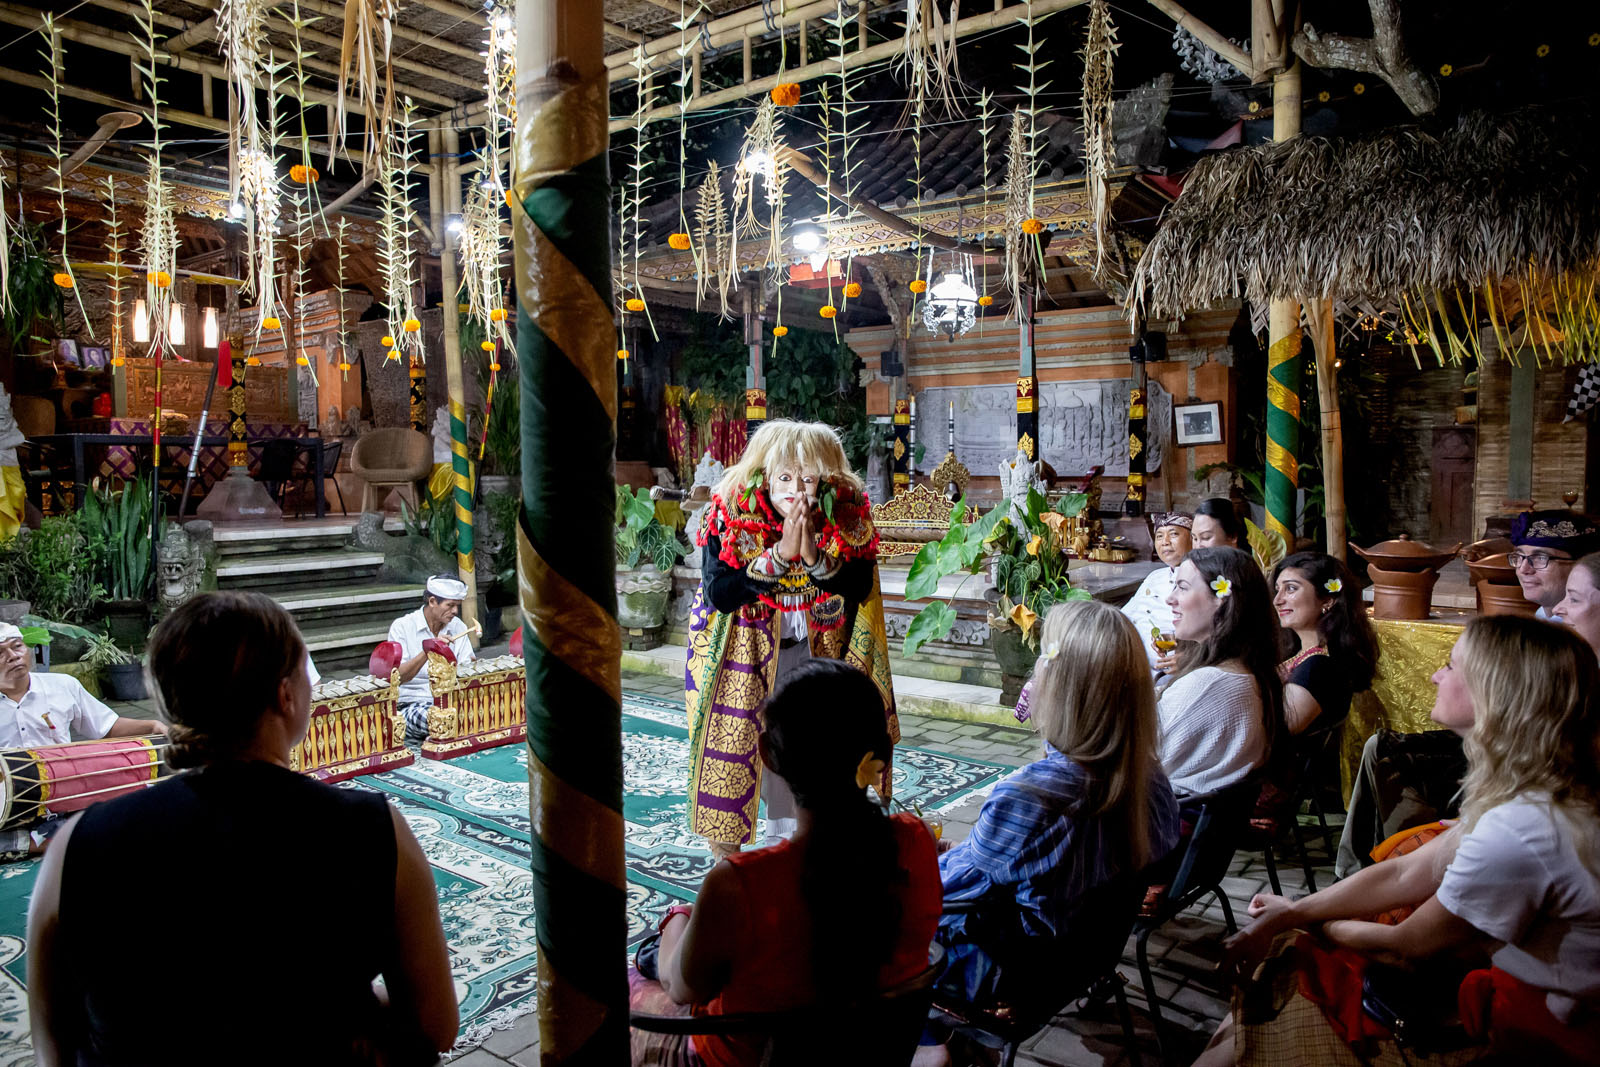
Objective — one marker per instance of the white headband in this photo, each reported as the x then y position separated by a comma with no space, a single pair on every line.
447,588
9,632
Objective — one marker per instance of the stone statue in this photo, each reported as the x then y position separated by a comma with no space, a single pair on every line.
1017,476
707,473
180,568
202,536
441,436
351,427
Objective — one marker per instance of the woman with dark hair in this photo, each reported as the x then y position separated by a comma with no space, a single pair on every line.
256,869
1217,524
844,908
1317,601
1224,708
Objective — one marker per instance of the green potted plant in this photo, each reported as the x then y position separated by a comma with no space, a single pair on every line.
1027,551
121,673
120,521
53,569
646,552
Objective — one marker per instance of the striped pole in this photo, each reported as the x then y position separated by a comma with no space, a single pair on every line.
455,380
1283,352
419,395
565,557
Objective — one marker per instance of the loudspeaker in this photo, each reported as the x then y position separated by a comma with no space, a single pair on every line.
1155,347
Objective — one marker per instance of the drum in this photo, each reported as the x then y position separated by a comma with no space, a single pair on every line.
36,783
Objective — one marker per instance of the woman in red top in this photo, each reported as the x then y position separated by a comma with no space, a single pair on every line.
844,908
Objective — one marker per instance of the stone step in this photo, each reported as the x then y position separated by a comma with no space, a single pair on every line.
284,571
347,605
235,540
346,647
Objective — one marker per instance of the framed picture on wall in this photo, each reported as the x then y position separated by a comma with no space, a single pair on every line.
95,357
1198,424
67,352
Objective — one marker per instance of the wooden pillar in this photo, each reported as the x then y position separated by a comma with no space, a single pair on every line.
1326,347
1027,385
566,556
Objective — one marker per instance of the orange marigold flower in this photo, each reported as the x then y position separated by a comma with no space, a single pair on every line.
634,304
63,279
160,277
985,301
1032,226
412,325
252,361
780,331
828,311
852,290
271,322
344,366
487,346
388,341
786,94
497,315
302,361
495,367
680,241
303,174
119,361
622,353
919,286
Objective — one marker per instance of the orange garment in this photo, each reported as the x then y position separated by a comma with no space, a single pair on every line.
1512,1017
1406,841
773,971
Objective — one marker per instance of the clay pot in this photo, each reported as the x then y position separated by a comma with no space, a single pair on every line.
1503,600
1401,594
1489,546
1404,554
1494,569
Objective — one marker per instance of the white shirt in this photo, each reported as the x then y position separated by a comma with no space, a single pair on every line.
54,709
312,674
411,630
1148,609
1211,730
1517,877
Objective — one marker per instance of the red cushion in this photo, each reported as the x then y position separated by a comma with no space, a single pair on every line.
385,658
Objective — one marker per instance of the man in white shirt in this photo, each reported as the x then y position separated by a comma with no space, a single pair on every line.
437,619
50,709
1547,544
1147,609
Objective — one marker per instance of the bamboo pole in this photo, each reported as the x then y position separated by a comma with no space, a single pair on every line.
566,559
1320,313
1282,475
455,387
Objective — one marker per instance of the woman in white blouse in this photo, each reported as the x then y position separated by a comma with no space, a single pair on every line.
1225,705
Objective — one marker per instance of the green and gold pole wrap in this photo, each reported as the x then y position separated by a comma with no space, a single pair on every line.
419,396
566,561
1283,352
461,479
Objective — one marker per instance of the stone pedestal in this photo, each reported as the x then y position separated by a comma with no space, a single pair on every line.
239,498
642,640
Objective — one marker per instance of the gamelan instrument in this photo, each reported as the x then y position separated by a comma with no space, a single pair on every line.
475,705
61,779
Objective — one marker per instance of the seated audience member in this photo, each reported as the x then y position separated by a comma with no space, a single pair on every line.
439,619
1514,886
1148,609
256,871
1097,805
1224,708
845,907
1580,608
1218,525
1546,545
1317,601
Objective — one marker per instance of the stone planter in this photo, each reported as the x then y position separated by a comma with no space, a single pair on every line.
12,611
1016,661
499,483
642,595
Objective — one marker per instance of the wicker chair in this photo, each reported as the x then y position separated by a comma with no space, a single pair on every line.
393,456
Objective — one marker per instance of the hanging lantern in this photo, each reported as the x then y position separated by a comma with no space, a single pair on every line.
208,329
175,331
951,307
141,323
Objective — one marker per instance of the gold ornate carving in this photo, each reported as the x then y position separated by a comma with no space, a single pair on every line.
951,471
911,519
899,449
1025,444
1135,446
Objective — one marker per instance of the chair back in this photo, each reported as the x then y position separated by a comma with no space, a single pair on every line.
277,460
393,451
331,451
1220,821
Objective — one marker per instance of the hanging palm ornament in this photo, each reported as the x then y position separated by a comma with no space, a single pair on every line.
1099,50
241,36
630,235
364,53
713,235
340,290
500,91
680,240
158,236
396,252
845,26
481,247
759,158
53,55
985,128
115,244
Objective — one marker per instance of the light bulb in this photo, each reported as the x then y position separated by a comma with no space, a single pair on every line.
454,224
819,260
175,324
208,329
236,209
141,323
807,239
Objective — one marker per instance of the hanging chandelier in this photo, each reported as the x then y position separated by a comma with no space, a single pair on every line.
951,306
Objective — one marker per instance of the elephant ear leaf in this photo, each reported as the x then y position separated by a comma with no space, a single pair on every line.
922,580
932,623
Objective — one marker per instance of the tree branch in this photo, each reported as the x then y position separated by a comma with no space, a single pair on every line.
1384,54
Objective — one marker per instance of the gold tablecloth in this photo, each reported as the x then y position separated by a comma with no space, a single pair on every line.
1402,694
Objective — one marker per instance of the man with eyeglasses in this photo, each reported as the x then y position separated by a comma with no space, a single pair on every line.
1547,544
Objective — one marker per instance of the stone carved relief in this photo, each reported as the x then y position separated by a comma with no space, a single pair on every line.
964,632
1081,424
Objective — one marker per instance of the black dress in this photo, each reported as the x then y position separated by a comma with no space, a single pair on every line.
270,904
1318,676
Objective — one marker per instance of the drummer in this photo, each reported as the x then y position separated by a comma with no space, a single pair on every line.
49,709
439,618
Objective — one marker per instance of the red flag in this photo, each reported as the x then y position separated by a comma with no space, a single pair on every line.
224,365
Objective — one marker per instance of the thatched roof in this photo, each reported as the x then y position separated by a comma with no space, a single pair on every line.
1363,220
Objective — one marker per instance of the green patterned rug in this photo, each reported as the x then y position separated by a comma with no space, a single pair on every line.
471,815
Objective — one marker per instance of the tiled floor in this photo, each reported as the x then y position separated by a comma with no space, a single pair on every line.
1183,954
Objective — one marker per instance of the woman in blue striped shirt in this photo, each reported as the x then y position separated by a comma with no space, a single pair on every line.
1097,804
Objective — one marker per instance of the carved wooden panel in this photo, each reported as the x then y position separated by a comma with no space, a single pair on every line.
183,388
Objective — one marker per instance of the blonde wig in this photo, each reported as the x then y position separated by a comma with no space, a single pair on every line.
811,446
1535,693
1093,700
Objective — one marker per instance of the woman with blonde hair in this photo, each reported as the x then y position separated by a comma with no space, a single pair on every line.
790,573
1516,883
1095,807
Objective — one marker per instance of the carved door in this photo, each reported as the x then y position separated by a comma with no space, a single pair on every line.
1454,461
